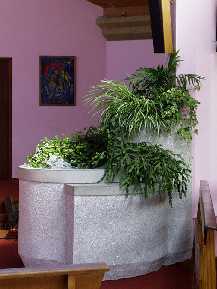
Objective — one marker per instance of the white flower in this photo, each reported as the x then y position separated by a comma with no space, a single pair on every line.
57,162
38,149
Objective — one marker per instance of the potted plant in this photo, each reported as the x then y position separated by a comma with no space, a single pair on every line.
153,102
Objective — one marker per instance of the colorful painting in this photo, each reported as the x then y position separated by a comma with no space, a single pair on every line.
57,80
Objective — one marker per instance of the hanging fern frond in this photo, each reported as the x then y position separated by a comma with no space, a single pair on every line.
189,81
147,169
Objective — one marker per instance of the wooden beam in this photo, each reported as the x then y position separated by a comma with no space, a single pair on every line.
124,19
126,11
167,26
118,3
125,28
161,22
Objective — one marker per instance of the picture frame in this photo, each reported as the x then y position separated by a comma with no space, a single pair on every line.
57,76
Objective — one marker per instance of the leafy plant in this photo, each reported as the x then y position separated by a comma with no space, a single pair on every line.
155,99
58,146
150,82
89,150
147,169
86,150
125,113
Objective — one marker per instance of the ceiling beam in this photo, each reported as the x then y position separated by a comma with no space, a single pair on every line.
125,28
124,19
119,3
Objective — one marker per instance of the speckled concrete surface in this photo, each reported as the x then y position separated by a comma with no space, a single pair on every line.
66,224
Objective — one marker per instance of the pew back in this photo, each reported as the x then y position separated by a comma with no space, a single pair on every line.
65,277
205,226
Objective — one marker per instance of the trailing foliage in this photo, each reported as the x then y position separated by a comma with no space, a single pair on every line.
147,169
157,101
86,150
140,168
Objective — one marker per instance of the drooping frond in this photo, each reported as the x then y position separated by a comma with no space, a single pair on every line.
189,81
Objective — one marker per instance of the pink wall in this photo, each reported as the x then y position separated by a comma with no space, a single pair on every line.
195,37
124,57
30,28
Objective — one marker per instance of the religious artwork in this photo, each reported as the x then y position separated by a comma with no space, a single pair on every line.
57,80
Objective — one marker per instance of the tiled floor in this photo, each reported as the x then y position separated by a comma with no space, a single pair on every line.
178,276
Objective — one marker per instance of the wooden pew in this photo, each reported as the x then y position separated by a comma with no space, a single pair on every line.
205,226
65,277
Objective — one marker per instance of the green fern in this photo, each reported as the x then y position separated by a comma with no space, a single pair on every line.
147,169
157,100
152,81
189,81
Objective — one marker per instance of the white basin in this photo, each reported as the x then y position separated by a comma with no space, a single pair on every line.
61,176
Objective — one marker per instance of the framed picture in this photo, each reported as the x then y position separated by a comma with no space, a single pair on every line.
57,80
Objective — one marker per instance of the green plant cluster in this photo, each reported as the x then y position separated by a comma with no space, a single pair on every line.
147,169
151,82
87,150
154,99
143,168
58,146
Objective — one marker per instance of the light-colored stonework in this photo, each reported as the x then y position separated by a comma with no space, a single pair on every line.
62,222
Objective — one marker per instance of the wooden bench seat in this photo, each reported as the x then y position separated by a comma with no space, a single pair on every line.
88,276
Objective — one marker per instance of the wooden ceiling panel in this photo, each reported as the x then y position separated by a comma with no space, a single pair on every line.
124,19
126,11
137,19
125,28
119,3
